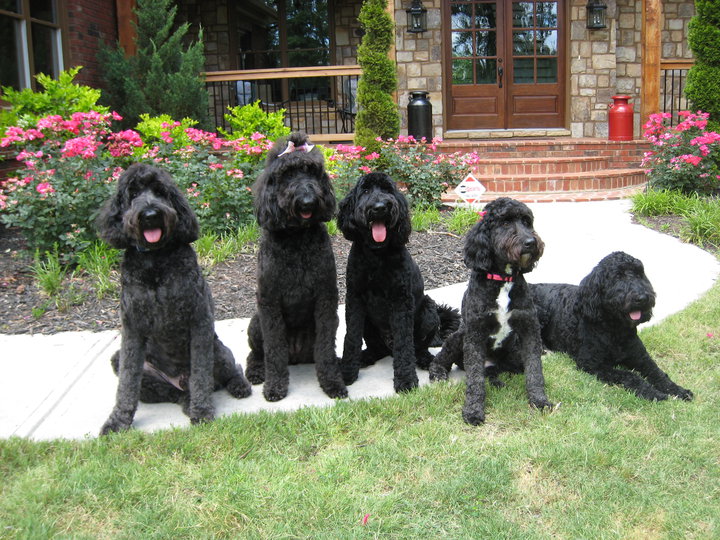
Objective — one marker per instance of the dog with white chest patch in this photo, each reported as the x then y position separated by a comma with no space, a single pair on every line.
500,330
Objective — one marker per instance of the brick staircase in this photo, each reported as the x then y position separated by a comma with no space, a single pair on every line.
553,170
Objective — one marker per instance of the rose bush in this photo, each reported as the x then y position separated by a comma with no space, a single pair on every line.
685,157
70,165
416,165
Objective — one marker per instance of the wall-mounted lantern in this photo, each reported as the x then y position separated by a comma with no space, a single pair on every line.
416,17
596,14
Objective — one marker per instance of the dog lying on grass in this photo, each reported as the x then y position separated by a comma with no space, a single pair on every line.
596,324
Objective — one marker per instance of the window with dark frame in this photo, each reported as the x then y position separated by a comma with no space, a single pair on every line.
31,41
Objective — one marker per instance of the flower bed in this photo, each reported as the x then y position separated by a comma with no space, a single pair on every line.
685,157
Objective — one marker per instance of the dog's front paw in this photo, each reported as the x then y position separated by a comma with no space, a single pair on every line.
201,414
473,415
275,392
683,393
437,372
336,391
405,384
541,403
113,425
239,387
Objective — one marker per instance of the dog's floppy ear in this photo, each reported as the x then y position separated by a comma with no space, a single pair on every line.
109,222
478,252
345,220
403,227
264,193
590,295
187,228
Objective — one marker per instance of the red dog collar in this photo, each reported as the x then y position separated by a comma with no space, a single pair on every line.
498,277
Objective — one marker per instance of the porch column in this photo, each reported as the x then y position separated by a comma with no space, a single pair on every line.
651,49
126,30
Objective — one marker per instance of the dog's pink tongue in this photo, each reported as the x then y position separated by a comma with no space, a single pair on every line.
379,232
152,236
306,215
635,315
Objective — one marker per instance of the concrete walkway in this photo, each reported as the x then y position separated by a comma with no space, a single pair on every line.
61,386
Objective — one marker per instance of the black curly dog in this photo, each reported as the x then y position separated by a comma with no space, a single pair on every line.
169,349
500,330
386,304
596,324
297,295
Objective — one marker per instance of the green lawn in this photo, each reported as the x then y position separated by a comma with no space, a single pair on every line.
604,464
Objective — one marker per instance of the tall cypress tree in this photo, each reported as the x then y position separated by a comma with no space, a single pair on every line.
164,77
378,114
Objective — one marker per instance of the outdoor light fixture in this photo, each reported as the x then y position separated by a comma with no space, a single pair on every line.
416,17
596,14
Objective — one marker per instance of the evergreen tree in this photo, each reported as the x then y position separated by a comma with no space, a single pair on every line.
378,114
703,82
164,77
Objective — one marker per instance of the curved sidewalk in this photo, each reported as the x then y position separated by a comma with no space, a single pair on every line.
61,386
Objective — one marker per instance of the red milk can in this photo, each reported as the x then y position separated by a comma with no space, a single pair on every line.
620,119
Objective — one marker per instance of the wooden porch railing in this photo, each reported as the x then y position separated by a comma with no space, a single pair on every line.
322,101
673,76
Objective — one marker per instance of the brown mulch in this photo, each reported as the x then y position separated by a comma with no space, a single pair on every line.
24,309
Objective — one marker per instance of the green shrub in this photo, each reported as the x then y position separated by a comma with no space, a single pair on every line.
250,119
377,115
703,90
61,97
164,76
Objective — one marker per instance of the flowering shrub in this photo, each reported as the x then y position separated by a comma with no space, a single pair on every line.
65,177
416,165
69,167
685,157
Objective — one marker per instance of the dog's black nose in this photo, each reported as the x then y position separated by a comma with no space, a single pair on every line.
379,208
529,243
149,213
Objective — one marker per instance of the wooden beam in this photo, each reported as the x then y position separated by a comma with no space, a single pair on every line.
281,73
651,52
126,29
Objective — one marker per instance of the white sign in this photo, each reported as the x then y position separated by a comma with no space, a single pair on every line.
470,189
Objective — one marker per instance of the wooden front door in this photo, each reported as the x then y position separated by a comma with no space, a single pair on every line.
506,63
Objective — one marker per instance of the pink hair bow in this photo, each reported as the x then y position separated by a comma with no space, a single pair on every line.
305,147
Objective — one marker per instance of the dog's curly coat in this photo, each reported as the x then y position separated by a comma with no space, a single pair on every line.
169,349
500,330
386,304
596,324
297,293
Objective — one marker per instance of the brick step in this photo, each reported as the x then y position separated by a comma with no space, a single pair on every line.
539,145
539,165
572,181
620,154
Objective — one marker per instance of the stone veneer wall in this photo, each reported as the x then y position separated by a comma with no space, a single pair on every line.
602,63
347,31
419,61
